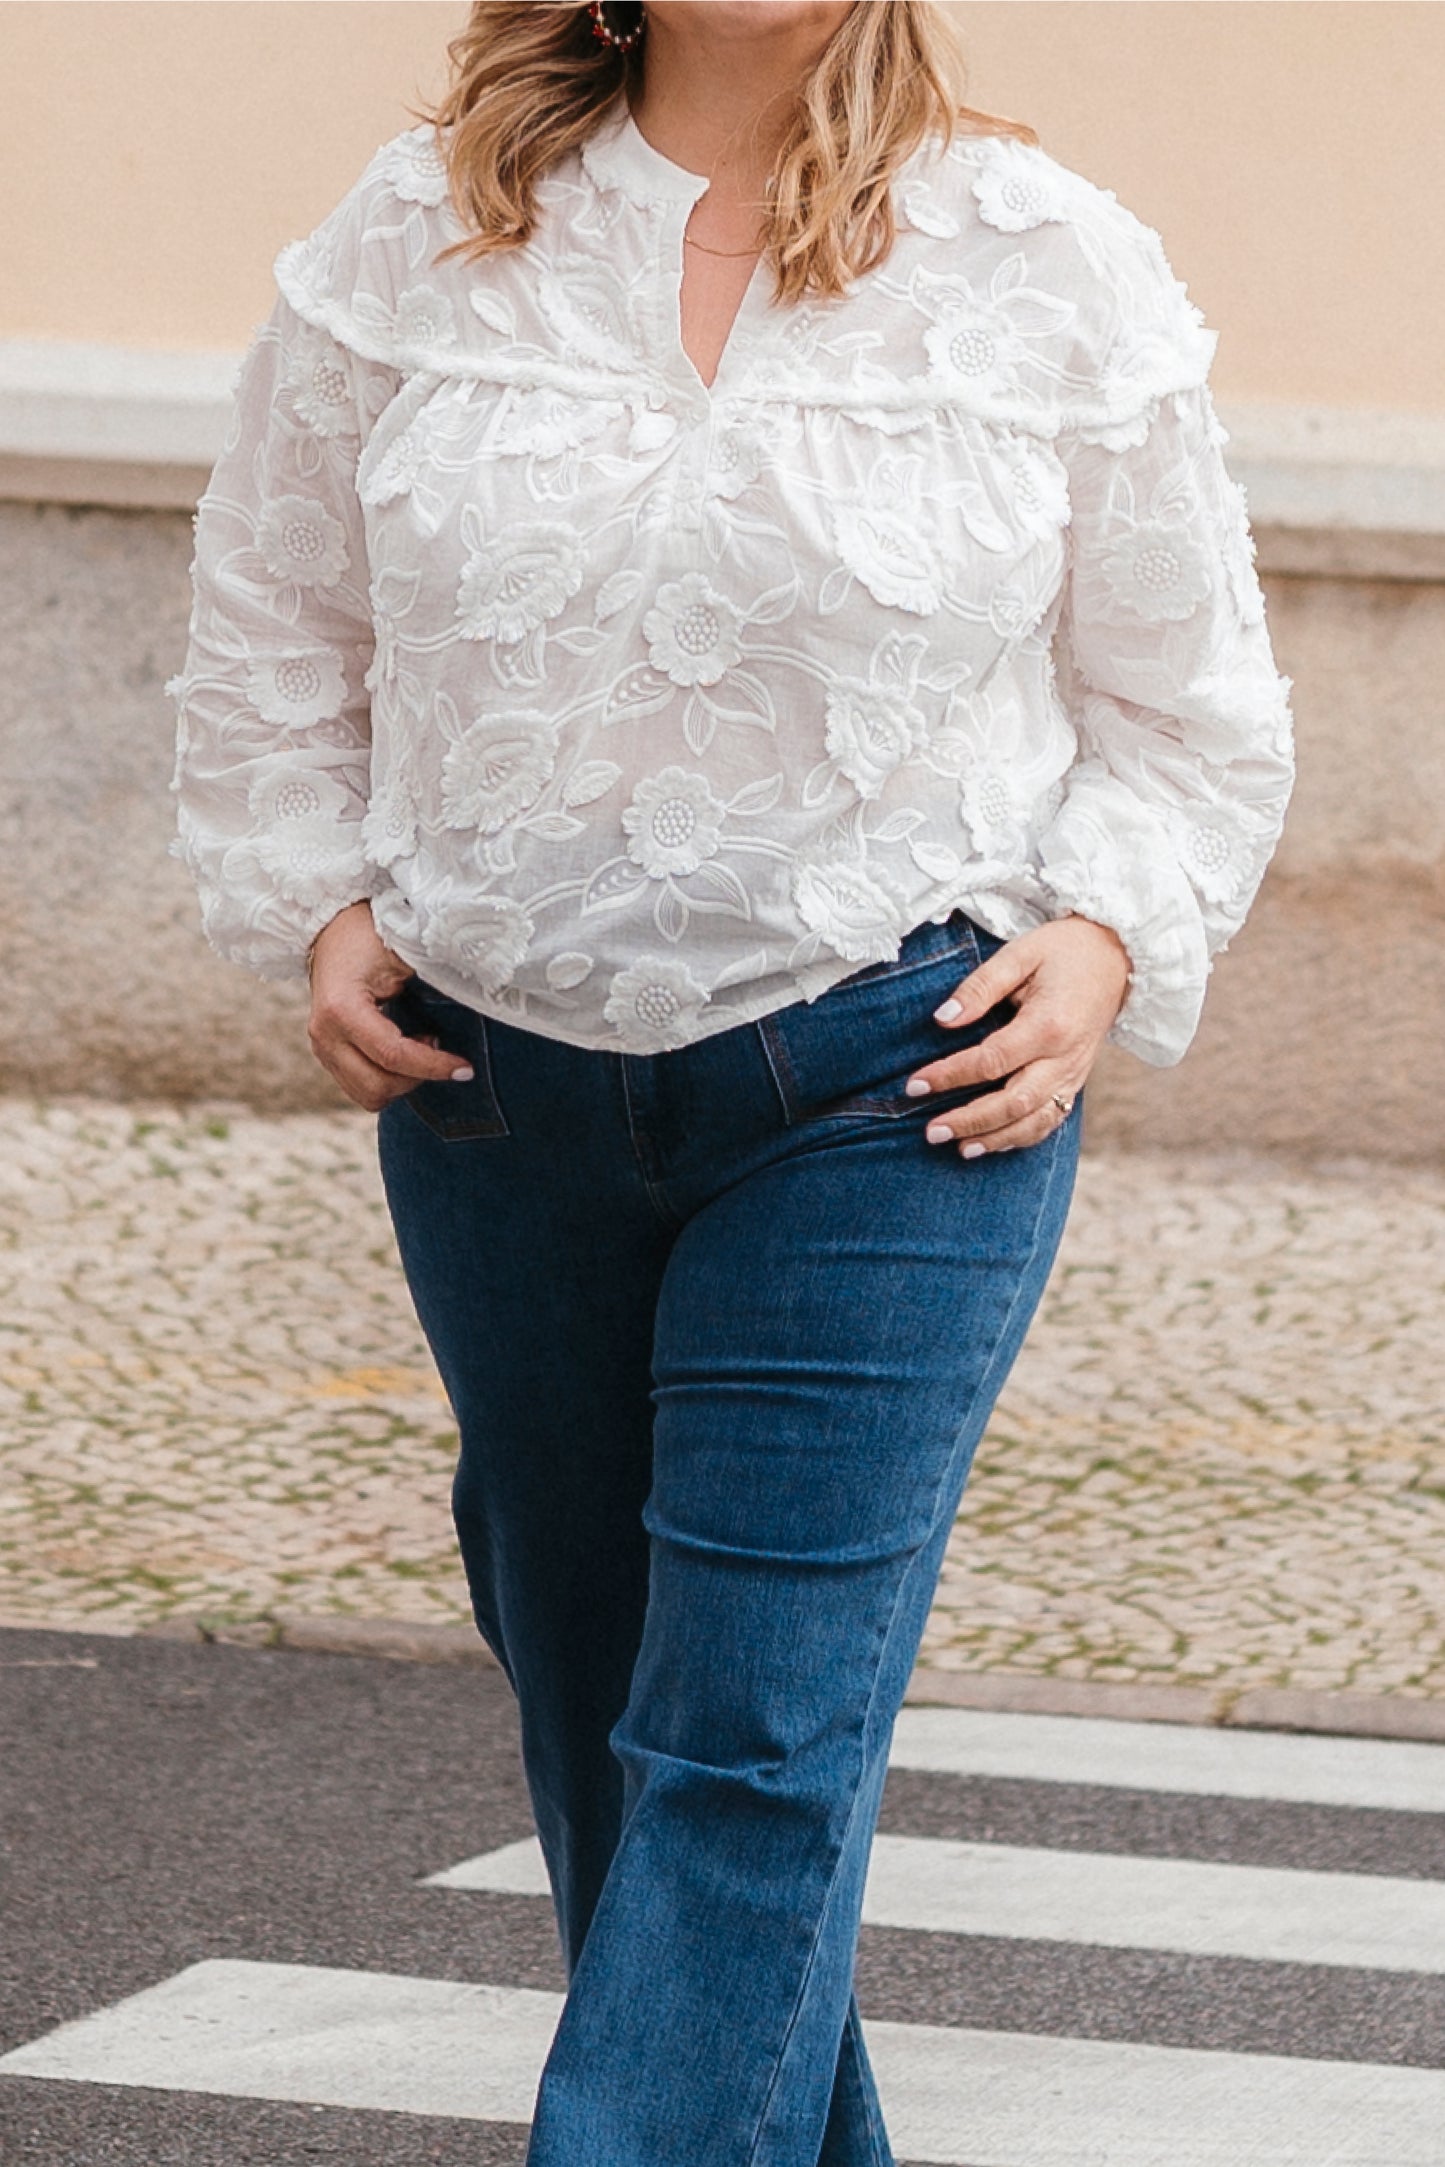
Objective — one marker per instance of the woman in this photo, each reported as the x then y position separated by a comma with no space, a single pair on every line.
723,634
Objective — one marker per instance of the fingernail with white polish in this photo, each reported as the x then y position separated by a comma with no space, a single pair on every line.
940,1133
974,1151
917,1087
949,1010
463,1075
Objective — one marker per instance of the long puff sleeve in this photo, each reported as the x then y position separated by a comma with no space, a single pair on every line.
272,711
1165,667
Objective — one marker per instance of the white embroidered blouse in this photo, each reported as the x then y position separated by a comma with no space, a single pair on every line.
640,708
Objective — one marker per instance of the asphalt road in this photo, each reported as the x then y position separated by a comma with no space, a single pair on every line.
163,1805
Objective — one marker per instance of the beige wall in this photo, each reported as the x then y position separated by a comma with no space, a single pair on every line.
1290,154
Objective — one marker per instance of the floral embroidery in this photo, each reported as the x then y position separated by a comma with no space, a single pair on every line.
654,1003
1015,192
895,560
871,729
301,841
512,585
389,829
299,541
996,821
848,906
674,822
1155,570
424,318
296,687
691,632
983,341
486,936
321,389
496,769
396,471
415,167
739,455
639,712
1212,851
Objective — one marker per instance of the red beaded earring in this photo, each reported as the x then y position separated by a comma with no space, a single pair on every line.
624,40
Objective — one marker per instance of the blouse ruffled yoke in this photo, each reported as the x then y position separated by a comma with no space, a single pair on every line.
639,707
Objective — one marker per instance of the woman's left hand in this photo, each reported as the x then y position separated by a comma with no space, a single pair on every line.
1067,980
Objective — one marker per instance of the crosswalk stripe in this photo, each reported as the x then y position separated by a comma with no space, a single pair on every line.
1013,1892
996,2099
513,1869
1395,1775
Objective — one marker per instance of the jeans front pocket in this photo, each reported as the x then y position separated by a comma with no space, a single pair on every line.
457,1112
848,1055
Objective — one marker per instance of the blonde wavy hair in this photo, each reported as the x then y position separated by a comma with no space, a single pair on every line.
529,82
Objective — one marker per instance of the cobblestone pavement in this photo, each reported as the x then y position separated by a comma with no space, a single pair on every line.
1219,1459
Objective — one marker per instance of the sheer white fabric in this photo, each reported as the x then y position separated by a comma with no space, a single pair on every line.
640,708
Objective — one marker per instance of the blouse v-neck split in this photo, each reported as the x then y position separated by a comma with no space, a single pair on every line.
639,707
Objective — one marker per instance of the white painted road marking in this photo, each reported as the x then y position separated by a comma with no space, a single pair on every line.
997,2099
1193,1908
1104,1900
516,1869
1202,1762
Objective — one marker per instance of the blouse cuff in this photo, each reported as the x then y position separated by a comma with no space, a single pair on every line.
248,919
1106,857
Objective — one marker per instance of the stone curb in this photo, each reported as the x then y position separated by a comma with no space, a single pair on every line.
1255,1708
389,1638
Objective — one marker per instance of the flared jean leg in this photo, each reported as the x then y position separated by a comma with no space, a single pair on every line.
832,1332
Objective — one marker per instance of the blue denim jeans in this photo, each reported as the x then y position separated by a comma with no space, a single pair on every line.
721,1332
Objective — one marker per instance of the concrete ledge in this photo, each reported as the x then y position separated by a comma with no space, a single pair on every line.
1353,493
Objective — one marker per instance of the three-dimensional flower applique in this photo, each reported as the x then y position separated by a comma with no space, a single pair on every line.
1154,569
395,471
654,1003
691,631
891,552
847,905
674,822
997,823
301,839
296,687
496,769
870,730
300,542
1037,483
424,317
389,828
484,936
980,341
320,386
1015,190
1215,850
513,584
739,454
414,167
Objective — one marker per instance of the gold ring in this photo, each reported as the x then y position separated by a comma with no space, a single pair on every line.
1065,1106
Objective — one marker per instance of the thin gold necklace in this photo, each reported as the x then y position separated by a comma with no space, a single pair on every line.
689,242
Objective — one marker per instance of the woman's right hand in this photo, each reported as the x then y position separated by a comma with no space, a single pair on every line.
352,973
